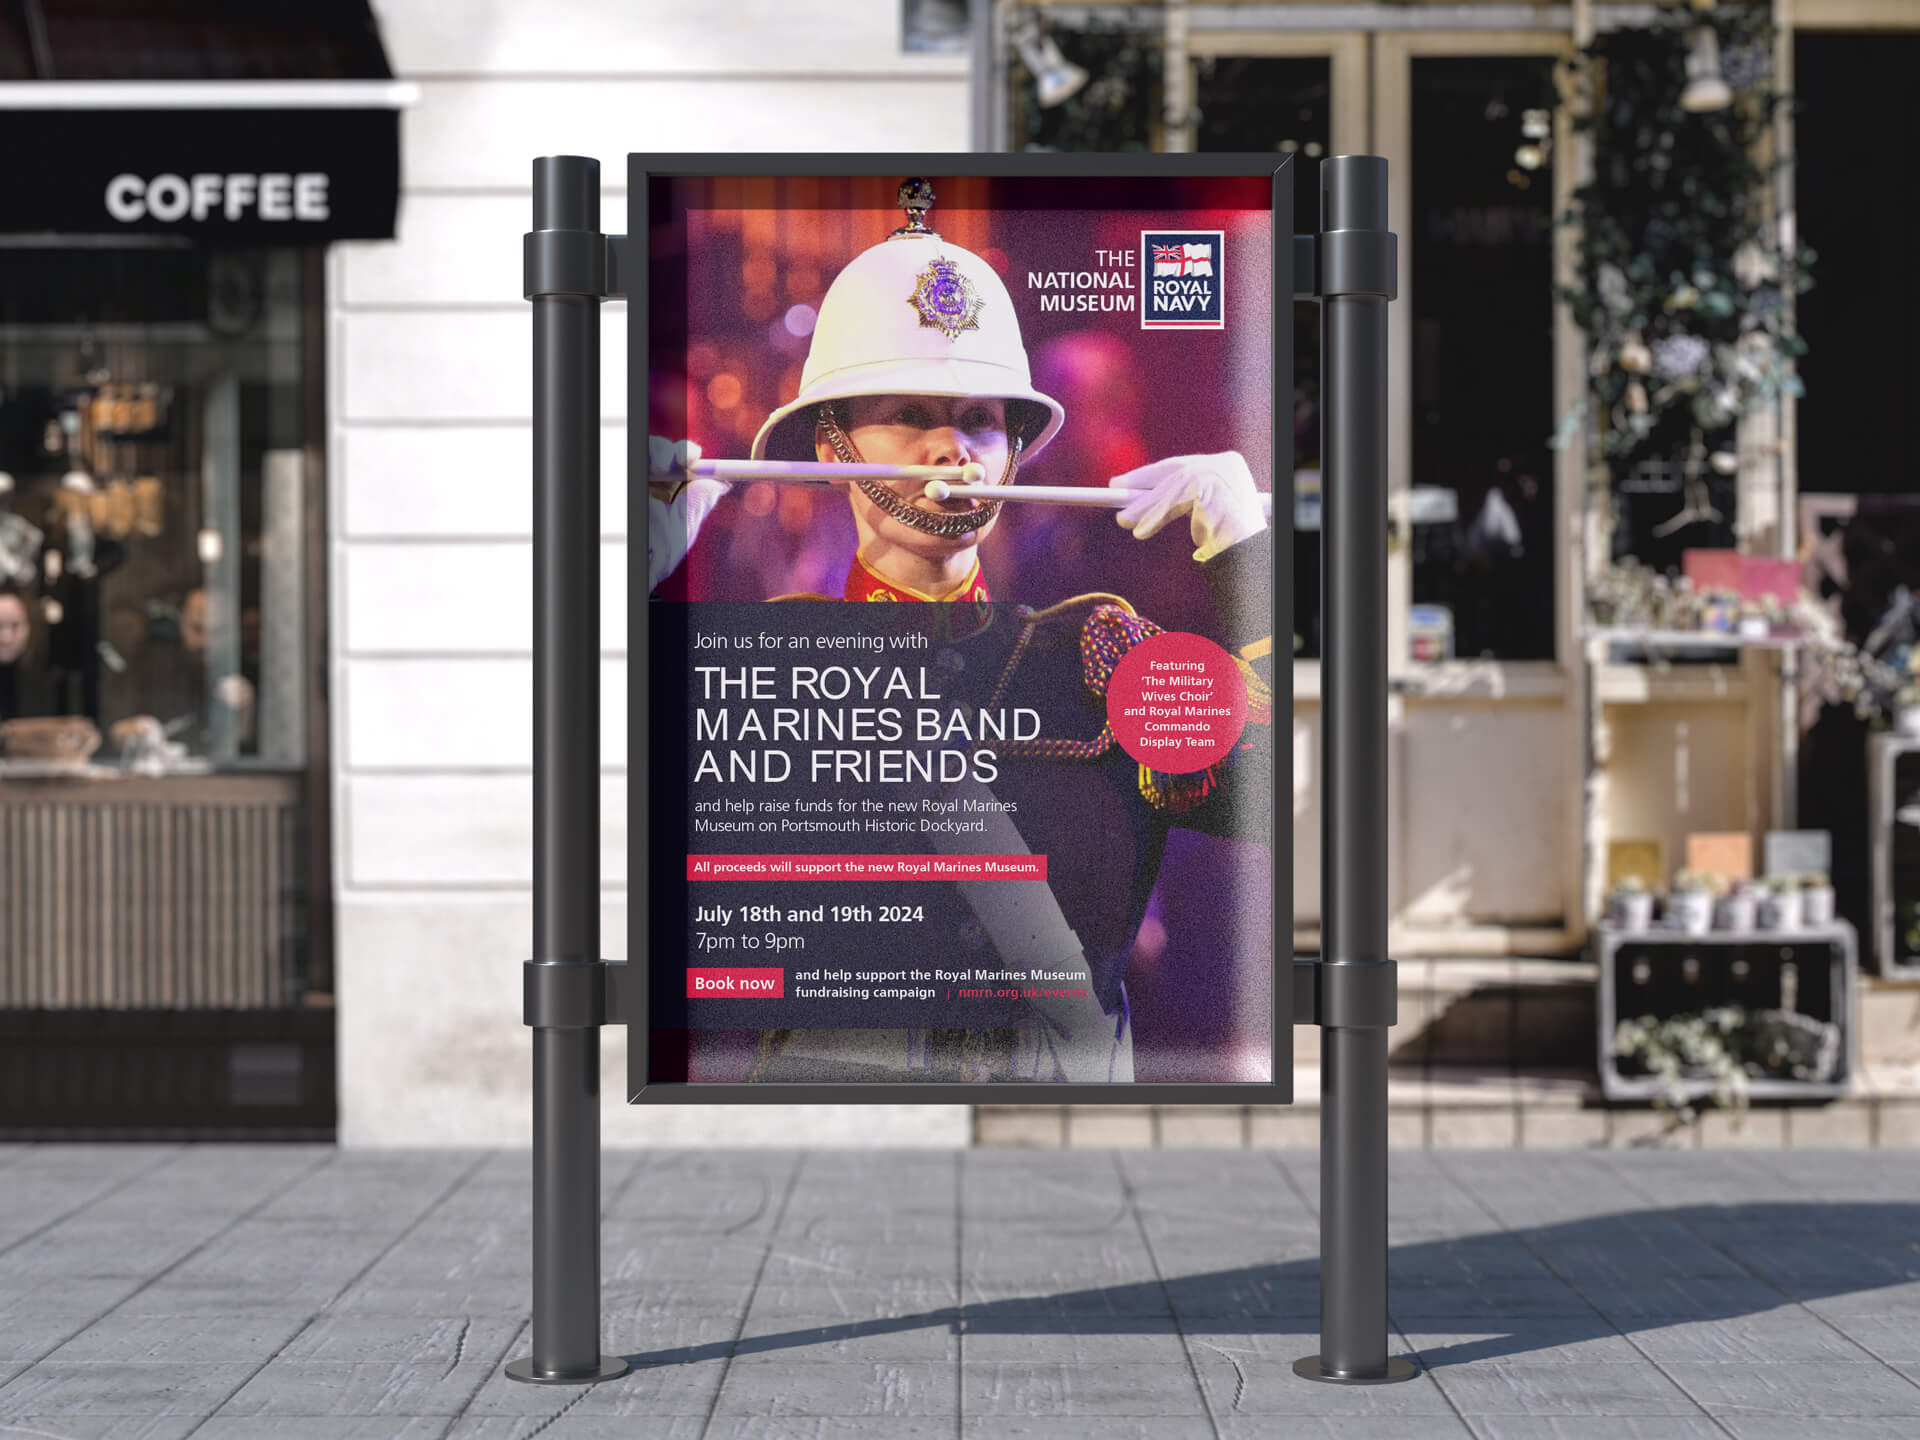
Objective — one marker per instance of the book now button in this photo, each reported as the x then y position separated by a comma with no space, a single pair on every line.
770,984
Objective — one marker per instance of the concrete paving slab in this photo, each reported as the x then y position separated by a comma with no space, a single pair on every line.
1630,1304
829,1427
105,1427
1447,1342
577,1427
1788,1333
1346,1427
347,1337
1088,1427
1838,1303
1892,1339
100,1388
137,1336
324,1427
1144,1343
1794,1427
783,1386
648,1391
89,1248
1509,1387
1246,1384
919,1339
1149,1388
1594,1427
44,1190
325,1388
1798,1387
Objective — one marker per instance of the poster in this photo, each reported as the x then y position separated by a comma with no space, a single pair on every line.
963,790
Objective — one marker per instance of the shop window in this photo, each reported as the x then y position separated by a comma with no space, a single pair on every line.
1859,426
1245,104
1480,246
1858,449
153,508
934,27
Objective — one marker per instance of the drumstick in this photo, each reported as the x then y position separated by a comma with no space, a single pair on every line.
814,472
1087,496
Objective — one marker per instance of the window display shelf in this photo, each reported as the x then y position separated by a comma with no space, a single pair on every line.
1647,684
66,770
1690,639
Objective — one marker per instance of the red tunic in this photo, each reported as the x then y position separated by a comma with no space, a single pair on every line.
863,584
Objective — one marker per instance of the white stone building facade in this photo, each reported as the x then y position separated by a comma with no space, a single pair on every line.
429,480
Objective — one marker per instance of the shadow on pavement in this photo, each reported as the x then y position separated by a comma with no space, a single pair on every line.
1584,1279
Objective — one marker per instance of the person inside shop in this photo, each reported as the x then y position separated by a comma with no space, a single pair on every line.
168,682
917,359
25,689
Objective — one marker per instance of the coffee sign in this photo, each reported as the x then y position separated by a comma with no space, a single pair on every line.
227,175
172,198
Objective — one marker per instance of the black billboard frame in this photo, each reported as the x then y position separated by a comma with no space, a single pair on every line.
1350,265
633,269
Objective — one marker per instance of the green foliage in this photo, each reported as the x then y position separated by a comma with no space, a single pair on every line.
1685,1046
1682,279
1114,110
1725,1046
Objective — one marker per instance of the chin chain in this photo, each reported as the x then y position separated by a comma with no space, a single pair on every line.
925,521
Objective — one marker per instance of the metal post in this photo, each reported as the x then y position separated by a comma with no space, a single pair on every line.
980,67
1356,275
566,297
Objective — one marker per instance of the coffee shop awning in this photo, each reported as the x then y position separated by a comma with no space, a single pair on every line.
242,123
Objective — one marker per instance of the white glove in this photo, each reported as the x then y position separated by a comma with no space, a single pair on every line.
676,505
1216,490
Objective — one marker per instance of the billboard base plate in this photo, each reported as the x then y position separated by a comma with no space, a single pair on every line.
611,1367
1312,1367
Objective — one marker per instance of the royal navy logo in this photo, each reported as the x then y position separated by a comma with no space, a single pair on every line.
1183,280
945,300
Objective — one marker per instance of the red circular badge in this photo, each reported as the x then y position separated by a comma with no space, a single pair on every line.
1177,703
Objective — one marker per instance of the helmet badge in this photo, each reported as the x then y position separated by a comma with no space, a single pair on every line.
942,296
945,300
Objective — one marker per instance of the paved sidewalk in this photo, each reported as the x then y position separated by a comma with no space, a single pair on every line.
162,1291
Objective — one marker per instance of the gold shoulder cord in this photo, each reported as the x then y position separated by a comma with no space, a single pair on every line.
1100,597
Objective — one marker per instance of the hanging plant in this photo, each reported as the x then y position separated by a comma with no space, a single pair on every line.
1682,278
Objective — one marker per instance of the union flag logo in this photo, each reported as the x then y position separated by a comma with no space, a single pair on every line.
1183,276
1183,259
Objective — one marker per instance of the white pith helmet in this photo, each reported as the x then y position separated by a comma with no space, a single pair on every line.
914,315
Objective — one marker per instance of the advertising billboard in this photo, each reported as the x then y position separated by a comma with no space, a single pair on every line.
957,644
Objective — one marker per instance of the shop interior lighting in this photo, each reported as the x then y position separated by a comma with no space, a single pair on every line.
1707,88
1057,78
